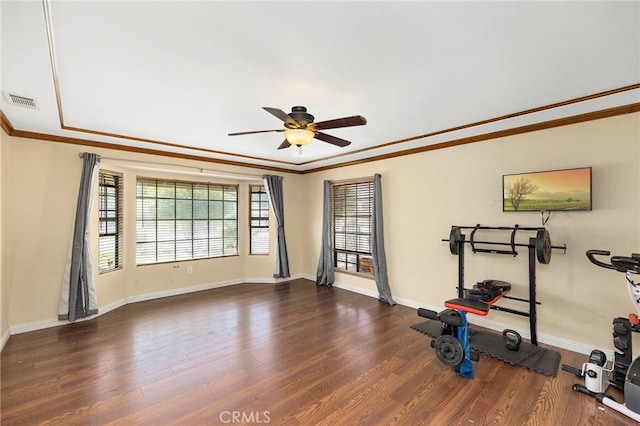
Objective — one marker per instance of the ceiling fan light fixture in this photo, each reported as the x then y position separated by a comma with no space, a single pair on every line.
298,136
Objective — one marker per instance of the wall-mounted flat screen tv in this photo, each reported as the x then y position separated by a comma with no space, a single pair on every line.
554,190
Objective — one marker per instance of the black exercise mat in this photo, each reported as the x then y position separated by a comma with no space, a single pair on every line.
541,360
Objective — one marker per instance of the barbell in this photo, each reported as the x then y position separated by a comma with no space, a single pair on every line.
542,243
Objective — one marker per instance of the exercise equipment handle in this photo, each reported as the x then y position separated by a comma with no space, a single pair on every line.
581,388
592,253
575,371
600,397
428,313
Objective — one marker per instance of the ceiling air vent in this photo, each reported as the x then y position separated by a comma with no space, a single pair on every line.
21,101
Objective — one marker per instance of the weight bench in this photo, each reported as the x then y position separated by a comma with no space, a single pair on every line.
452,346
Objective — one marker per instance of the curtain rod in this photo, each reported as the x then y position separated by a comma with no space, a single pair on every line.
201,169
353,180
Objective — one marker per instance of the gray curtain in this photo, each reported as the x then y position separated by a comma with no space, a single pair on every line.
276,196
78,296
377,242
325,275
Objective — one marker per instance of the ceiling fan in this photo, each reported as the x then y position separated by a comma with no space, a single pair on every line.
299,127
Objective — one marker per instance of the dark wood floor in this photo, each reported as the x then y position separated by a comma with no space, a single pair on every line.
260,353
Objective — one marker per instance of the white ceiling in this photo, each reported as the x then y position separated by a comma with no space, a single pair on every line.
178,76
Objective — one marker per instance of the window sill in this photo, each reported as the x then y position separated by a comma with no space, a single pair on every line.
106,271
187,260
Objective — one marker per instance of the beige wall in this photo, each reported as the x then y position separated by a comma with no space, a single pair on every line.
425,194
40,208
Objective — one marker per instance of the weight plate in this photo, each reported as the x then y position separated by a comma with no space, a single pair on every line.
449,350
454,237
543,246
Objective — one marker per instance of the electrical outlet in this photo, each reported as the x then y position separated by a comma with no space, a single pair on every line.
189,269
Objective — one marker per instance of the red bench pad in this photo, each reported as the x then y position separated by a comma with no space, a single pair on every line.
470,306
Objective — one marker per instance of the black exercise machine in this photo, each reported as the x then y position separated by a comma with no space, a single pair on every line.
452,346
625,373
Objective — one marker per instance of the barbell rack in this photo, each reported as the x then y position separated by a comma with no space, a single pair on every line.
538,248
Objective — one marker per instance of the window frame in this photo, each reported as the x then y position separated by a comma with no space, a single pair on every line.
231,190
262,191
117,186
349,247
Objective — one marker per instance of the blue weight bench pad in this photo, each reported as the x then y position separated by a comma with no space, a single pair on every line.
541,360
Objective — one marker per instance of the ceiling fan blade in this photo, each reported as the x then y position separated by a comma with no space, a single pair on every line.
332,139
284,144
256,131
356,120
282,116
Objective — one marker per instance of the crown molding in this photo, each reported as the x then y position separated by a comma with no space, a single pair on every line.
107,145
6,124
595,115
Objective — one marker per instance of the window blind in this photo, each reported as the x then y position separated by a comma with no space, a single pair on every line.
110,221
258,220
352,222
185,220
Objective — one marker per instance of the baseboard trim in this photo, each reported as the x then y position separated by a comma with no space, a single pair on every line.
54,322
354,289
4,339
179,291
